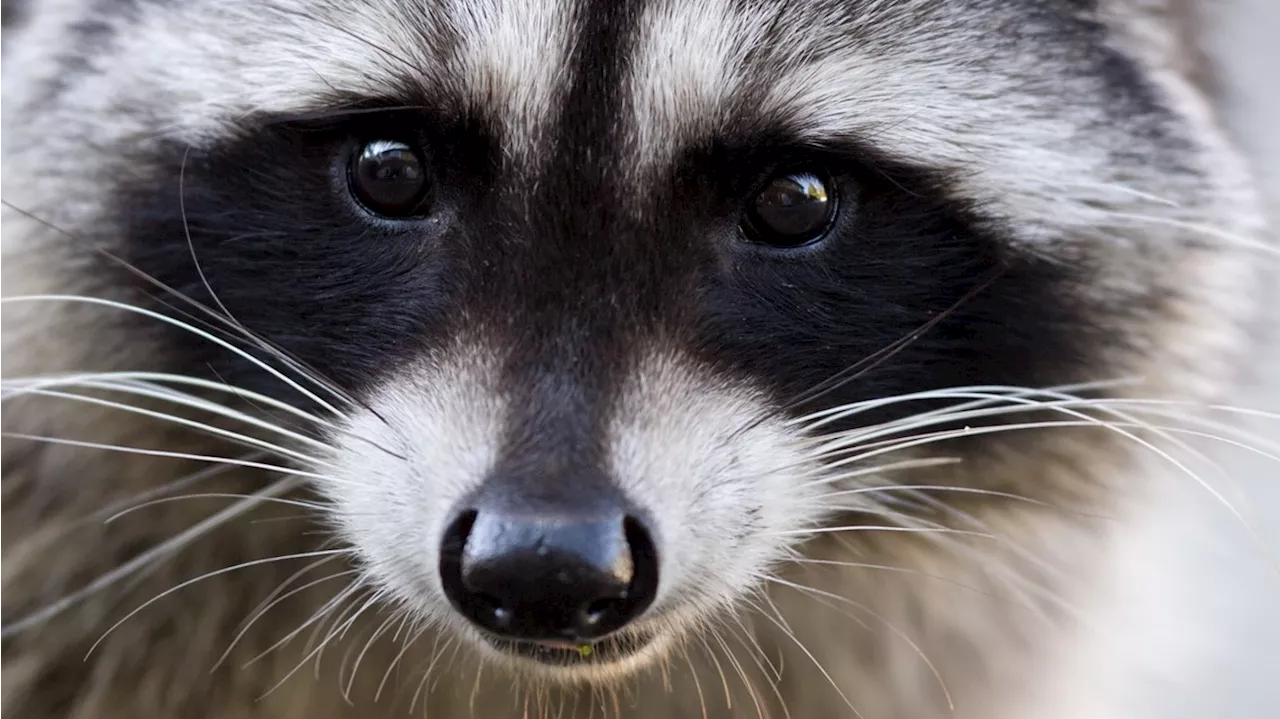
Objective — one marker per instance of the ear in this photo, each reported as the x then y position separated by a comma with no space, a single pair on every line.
9,13
1167,35
1190,22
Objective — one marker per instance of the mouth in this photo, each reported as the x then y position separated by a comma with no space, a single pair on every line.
609,650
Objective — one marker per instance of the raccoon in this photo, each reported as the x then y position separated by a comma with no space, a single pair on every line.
640,358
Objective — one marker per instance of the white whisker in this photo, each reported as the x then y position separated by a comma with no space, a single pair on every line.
153,379
1203,230
210,575
1064,406
276,597
371,601
168,547
237,437
825,529
215,495
317,616
184,326
165,453
382,629
170,487
980,394
787,632
886,623
892,488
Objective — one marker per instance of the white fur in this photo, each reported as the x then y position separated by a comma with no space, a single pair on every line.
1025,140
441,420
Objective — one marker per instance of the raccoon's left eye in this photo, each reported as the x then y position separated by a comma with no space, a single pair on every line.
792,209
389,178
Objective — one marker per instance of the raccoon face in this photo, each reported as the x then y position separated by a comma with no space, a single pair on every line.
618,302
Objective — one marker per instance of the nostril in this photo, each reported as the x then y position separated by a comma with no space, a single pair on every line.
491,611
455,535
602,606
602,614
644,562
451,548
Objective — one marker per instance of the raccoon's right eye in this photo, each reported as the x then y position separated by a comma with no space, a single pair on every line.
390,179
791,210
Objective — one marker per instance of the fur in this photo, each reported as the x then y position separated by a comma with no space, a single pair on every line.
1035,193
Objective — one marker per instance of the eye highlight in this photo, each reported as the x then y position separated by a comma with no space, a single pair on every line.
792,209
389,178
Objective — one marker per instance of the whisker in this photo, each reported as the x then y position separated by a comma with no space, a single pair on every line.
236,437
981,395
922,463
697,683
382,629
891,488
844,443
875,528
145,383
165,453
276,597
214,495
886,623
186,231
742,673
724,680
1014,405
875,359
890,568
317,616
149,379
129,383
340,632
225,318
404,648
1063,406
371,601
787,632
758,657
753,647
209,575
1201,229
175,485
168,547
180,325
437,651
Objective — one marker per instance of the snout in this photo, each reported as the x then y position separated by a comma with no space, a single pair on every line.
580,544
550,579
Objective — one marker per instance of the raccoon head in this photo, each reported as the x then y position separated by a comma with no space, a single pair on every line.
600,309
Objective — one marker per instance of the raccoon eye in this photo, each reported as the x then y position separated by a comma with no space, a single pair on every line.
793,209
389,178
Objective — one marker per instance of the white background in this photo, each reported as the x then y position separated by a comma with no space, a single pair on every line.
1245,683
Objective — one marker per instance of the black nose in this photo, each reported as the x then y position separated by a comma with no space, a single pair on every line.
543,577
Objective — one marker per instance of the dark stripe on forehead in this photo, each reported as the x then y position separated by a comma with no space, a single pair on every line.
596,104
560,312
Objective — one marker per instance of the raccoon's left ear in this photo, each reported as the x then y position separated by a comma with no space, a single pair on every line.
12,13
1167,34
1192,22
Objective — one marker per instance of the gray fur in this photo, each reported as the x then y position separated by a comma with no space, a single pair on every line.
1147,189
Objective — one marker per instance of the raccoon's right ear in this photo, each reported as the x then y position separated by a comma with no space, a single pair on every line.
1171,34
12,14
1191,20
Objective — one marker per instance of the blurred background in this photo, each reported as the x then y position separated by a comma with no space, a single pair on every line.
1243,578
